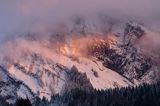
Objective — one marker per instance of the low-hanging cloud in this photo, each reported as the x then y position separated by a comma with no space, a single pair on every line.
40,16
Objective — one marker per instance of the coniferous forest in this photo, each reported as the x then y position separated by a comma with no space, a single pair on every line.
144,95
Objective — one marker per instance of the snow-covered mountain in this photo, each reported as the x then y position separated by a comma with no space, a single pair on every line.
42,72
31,68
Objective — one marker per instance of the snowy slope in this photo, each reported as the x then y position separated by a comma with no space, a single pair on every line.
105,78
43,72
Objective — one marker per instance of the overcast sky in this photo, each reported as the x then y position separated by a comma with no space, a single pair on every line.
21,16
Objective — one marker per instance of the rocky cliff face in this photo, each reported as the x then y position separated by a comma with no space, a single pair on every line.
125,57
